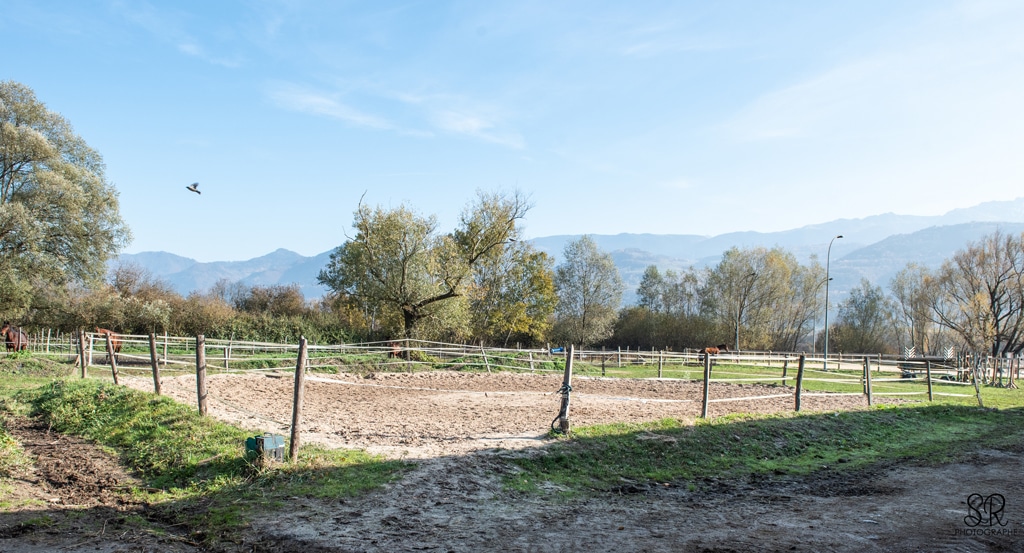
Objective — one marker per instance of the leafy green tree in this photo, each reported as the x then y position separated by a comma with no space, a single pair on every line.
514,296
201,314
59,219
652,290
793,296
763,297
589,292
729,296
399,265
864,323
279,300
145,301
681,293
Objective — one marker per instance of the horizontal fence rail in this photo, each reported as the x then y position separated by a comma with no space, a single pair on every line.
791,374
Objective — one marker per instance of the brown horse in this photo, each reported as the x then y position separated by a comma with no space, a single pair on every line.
16,338
115,339
707,351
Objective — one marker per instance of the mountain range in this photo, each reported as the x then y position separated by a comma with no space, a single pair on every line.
874,247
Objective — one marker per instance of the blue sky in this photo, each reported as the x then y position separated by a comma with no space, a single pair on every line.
643,117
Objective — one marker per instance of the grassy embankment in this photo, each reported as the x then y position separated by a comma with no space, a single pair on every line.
193,470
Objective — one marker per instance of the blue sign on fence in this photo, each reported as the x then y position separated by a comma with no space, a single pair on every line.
557,350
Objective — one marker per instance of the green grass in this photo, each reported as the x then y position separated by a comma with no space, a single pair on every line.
738,446
600,458
12,456
194,470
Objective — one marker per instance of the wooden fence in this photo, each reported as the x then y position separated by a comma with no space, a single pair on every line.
871,376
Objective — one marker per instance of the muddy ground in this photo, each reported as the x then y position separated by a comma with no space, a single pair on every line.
458,429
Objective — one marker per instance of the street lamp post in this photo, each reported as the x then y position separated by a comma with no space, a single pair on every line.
828,254
814,321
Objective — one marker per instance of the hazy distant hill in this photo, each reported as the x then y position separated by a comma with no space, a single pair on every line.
874,247
279,267
880,261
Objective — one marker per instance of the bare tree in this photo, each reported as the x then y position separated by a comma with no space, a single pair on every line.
913,289
980,294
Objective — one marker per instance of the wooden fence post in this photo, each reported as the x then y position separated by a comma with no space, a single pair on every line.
484,353
867,380
201,393
977,389
154,364
81,351
928,375
565,390
661,362
707,387
112,358
620,358
785,366
864,370
299,394
799,380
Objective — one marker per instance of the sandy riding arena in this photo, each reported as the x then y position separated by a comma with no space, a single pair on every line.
430,414
459,431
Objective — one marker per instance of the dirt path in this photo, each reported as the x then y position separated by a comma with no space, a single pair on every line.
73,498
459,428
458,505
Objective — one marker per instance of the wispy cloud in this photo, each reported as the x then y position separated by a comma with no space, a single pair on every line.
680,183
294,98
666,38
168,27
460,115
942,77
193,49
424,115
476,126
800,110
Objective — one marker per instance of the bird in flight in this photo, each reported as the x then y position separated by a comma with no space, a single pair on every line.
194,187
